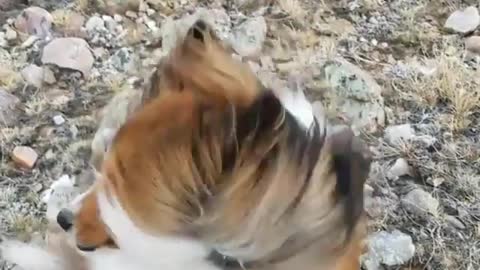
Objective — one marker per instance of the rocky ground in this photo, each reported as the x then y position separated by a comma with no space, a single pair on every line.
403,73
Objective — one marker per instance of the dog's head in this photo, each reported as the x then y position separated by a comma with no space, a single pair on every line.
219,163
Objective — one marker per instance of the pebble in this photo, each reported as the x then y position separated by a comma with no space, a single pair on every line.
24,156
463,21
420,202
400,168
8,105
58,120
130,14
10,34
455,222
118,17
48,76
472,44
35,21
395,248
248,37
399,134
72,53
33,75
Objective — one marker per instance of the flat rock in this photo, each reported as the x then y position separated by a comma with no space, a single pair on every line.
24,156
399,134
398,169
463,21
8,105
420,202
472,44
35,21
72,53
354,93
33,75
249,36
395,248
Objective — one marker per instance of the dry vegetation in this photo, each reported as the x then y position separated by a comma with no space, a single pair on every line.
426,80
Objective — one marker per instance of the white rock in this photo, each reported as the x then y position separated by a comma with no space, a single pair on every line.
248,37
118,18
10,34
33,75
399,168
72,53
58,120
94,23
399,134
390,249
463,21
420,202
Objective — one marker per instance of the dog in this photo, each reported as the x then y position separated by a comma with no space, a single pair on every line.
219,172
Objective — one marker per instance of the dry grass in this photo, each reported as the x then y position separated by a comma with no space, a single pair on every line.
9,78
294,8
453,84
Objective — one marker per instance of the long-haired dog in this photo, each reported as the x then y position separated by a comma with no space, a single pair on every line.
220,173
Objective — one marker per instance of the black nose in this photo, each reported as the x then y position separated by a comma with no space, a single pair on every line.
65,219
86,248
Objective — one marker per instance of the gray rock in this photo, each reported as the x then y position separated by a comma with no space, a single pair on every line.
72,53
10,34
123,59
8,108
48,76
248,37
58,120
463,21
420,202
94,23
399,168
3,40
355,93
35,21
389,249
472,44
33,75
399,134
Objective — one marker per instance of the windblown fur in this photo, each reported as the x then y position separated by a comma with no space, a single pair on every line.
219,164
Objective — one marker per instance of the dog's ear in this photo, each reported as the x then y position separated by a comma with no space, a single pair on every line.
351,160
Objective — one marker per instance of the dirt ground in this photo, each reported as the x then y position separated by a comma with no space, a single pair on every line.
429,82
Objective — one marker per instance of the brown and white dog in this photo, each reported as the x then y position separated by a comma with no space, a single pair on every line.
220,173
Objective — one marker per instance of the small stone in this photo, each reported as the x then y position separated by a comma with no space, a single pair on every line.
35,21
37,187
10,34
130,14
420,202
33,75
118,17
8,105
248,37
399,134
150,11
374,42
24,156
72,53
472,44
48,76
437,181
400,168
3,40
395,248
455,222
463,21
94,23
58,120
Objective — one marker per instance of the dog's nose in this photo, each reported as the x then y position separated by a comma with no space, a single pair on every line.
86,248
65,219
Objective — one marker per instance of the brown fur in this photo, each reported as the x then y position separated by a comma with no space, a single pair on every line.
218,158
